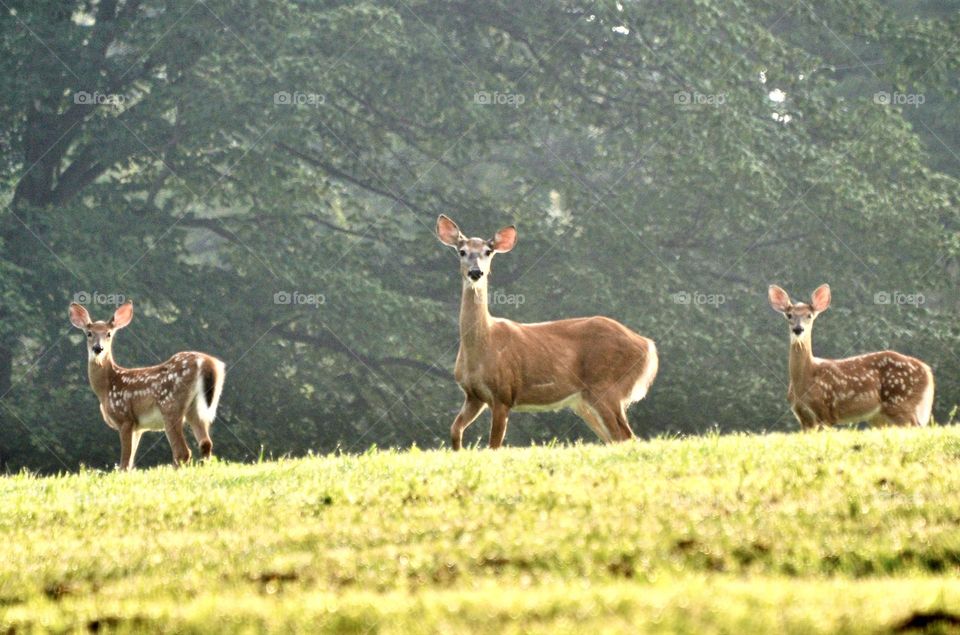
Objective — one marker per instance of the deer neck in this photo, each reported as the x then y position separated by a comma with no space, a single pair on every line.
801,358
101,373
475,317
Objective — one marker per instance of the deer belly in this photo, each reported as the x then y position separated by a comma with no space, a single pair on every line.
151,419
855,406
866,415
571,401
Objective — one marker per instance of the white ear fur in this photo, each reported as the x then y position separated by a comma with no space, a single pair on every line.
122,316
778,298
79,316
820,299
448,232
505,239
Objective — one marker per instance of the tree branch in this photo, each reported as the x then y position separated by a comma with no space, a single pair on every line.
340,174
331,343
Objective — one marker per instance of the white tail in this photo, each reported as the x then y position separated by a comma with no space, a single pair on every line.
133,400
595,365
883,388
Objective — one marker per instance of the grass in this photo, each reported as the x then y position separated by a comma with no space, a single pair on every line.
838,531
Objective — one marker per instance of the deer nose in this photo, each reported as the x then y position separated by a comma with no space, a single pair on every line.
797,330
97,349
475,274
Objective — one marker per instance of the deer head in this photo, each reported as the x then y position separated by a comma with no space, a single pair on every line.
800,316
475,253
100,334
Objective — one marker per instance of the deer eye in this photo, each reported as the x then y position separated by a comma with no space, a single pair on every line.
89,334
487,252
789,316
108,334
463,252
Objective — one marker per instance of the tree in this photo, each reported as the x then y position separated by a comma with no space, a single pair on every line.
263,180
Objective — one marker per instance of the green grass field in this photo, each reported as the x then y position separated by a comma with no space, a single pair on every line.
836,531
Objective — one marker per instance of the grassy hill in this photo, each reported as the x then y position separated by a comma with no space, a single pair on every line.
837,531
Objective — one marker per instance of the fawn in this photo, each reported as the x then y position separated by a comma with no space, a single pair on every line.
883,388
134,400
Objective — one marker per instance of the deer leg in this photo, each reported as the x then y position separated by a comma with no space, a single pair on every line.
178,443
201,432
898,416
625,428
498,424
129,440
902,420
805,417
587,412
613,419
879,420
134,444
469,412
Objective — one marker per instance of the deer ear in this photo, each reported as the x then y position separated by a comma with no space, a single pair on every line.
505,239
820,299
122,316
448,232
79,316
779,299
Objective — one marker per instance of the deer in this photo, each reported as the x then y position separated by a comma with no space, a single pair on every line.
595,366
881,388
135,400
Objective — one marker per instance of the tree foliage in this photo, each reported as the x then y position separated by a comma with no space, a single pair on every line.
262,179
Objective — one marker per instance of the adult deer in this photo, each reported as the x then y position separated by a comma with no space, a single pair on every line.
883,388
134,400
595,366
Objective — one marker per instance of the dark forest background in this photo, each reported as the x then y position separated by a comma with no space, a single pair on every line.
262,179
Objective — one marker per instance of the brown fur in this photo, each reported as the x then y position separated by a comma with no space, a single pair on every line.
134,400
594,365
884,388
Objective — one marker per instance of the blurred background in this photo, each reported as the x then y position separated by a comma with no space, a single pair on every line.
262,179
